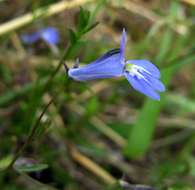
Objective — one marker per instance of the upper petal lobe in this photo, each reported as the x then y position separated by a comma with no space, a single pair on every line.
122,46
147,65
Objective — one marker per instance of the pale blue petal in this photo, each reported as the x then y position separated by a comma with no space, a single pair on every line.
141,86
107,66
50,35
146,65
30,38
155,83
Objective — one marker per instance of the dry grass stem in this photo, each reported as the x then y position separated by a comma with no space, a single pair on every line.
41,12
92,166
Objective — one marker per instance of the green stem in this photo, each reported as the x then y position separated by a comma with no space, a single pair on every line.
37,123
53,74
30,136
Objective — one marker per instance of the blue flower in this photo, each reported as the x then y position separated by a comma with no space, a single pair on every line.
50,35
141,74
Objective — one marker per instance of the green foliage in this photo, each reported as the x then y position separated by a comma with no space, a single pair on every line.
113,128
92,106
28,168
83,20
83,25
141,133
73,37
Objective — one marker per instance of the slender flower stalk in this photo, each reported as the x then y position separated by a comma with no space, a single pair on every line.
141,74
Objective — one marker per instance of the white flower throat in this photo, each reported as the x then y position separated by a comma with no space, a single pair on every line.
135,70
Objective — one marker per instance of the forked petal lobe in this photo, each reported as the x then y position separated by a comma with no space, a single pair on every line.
143,87
146,65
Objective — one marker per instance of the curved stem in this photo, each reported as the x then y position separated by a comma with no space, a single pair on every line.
37,123
30,136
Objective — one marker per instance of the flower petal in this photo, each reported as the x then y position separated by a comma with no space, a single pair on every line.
155,83
146,65
50,35
30,38
107,66
142,86
122,46
108,54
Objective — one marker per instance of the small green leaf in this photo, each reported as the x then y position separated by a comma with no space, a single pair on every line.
28,165
174,9
4,162
32,168
73,36
91,27
83,20
87,16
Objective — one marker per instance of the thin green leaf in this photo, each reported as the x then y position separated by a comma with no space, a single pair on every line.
164,47
73,36
92,26
83,20
30,167
5,161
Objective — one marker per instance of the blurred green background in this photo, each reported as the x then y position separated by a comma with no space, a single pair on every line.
56,133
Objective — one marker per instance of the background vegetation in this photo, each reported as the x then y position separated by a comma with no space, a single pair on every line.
56,133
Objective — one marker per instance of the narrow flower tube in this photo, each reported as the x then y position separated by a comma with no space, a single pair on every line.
107,66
